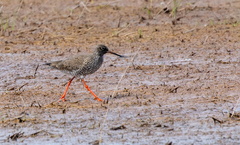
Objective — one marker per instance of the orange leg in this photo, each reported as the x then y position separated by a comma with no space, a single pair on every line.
65,92
95,96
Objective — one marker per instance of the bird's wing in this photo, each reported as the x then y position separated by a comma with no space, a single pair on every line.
70,64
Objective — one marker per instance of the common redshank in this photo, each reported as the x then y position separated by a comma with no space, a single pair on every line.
82,65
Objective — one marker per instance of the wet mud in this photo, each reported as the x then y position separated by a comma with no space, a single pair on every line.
179,83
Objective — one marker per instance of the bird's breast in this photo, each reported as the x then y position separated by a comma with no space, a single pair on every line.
91,65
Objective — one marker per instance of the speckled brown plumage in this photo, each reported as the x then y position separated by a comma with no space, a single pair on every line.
82,65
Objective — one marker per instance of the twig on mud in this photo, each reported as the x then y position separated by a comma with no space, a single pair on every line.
113,94
82,3
35,104
117,33
35,72
22,86
130,33
20,95
23,100
15,136
119,21
82,12
133,61
205,40
89,29
234,108
215,120
118,128
21,3
166,6
1,9
189,30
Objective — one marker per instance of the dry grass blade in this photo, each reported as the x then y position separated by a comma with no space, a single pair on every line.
82,3
15,136
35,72
113,94
235,107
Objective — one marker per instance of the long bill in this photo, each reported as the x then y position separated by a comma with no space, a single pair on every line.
115,54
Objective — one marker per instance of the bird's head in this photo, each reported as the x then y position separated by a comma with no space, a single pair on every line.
102,49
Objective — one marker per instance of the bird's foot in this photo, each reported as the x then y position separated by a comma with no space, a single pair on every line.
62,99
98,99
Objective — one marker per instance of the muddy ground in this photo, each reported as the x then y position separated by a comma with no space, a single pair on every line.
179,84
